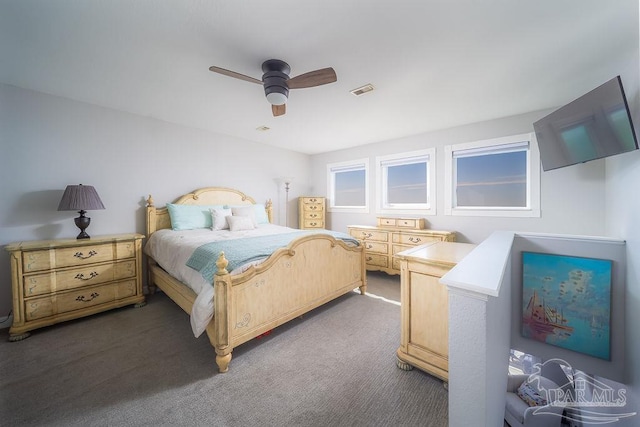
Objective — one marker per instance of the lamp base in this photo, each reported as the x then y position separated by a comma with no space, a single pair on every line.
82,222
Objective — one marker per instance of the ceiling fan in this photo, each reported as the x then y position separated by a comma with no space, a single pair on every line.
276,81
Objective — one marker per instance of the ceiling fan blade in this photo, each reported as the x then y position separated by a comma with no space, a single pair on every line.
279,110
234,74
313,78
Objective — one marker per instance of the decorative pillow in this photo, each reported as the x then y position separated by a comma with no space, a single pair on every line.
189,217
261,214
248,211
530,395
219,218
237,223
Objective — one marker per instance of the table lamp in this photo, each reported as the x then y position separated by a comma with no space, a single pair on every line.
80,198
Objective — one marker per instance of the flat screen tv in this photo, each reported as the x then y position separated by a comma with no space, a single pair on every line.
596,125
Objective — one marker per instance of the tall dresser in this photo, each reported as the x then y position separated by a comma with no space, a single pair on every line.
57,280
311,212
393,235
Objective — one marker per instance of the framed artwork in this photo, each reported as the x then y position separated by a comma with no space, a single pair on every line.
566,302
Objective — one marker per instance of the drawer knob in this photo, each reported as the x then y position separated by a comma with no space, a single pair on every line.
415,239
369,258
369,246
82,256
80,276
94,295
366,235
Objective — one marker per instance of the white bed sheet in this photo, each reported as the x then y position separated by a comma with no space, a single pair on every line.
171,250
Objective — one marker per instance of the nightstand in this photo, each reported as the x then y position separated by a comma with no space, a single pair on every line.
58,280
424,310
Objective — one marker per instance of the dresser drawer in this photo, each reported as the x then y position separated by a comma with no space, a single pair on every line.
376,260
313,223
372,246
48,259
408,223
313,208
414,239
40,307
380,236
60,280
386,222
317,215
312,200
395,262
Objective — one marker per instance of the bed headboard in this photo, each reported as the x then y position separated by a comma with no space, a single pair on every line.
158,218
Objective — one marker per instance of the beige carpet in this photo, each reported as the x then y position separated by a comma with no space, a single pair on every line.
138,367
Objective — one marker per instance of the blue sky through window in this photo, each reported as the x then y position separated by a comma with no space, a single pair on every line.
407,183
350,188
492,180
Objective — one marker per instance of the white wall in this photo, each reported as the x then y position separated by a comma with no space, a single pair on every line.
623,221
48,142
571,198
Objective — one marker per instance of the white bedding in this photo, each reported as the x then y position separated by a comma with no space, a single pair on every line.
171,250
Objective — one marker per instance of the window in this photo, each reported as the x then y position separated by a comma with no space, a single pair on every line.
498,177
406,182
348,185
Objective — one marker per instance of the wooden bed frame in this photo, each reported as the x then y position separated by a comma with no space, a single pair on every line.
309,272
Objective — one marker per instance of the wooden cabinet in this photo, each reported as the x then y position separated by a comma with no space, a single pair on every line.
57,280
393,235
311,212
424,336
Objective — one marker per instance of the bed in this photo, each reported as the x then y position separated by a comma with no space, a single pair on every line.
310,271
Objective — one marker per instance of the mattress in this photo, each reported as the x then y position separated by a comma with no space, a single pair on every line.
173,249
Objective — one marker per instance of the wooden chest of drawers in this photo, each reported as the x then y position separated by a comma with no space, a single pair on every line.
311,212
424,311
58,280
381,243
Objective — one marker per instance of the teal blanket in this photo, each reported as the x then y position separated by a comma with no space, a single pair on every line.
242,251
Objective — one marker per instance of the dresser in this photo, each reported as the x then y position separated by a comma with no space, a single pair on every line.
424,310
57,280
311,212
393,235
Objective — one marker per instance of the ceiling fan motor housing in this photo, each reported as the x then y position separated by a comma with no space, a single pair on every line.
274,79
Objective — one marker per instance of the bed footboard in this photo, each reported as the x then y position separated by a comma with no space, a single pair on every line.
294,280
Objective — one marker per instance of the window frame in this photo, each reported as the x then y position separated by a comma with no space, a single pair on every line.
532,176
332,168
428,208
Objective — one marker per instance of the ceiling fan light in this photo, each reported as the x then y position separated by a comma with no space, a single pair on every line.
276,98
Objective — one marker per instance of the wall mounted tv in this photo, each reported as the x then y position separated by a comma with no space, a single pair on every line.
596,125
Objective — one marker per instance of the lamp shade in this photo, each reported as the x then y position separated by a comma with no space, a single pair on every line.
80,198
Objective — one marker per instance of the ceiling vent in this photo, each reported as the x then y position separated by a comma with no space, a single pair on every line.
362,89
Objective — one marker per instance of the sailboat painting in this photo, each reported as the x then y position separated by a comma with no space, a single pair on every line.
566,302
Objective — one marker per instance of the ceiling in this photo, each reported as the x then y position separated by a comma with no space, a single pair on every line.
434,63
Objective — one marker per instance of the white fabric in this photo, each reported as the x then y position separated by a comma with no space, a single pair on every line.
247,211
219,218
238,223
171,249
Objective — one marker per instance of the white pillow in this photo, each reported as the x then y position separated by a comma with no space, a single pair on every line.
219,218
248,211
237,223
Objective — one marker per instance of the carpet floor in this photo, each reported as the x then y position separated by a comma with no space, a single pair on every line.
335,366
